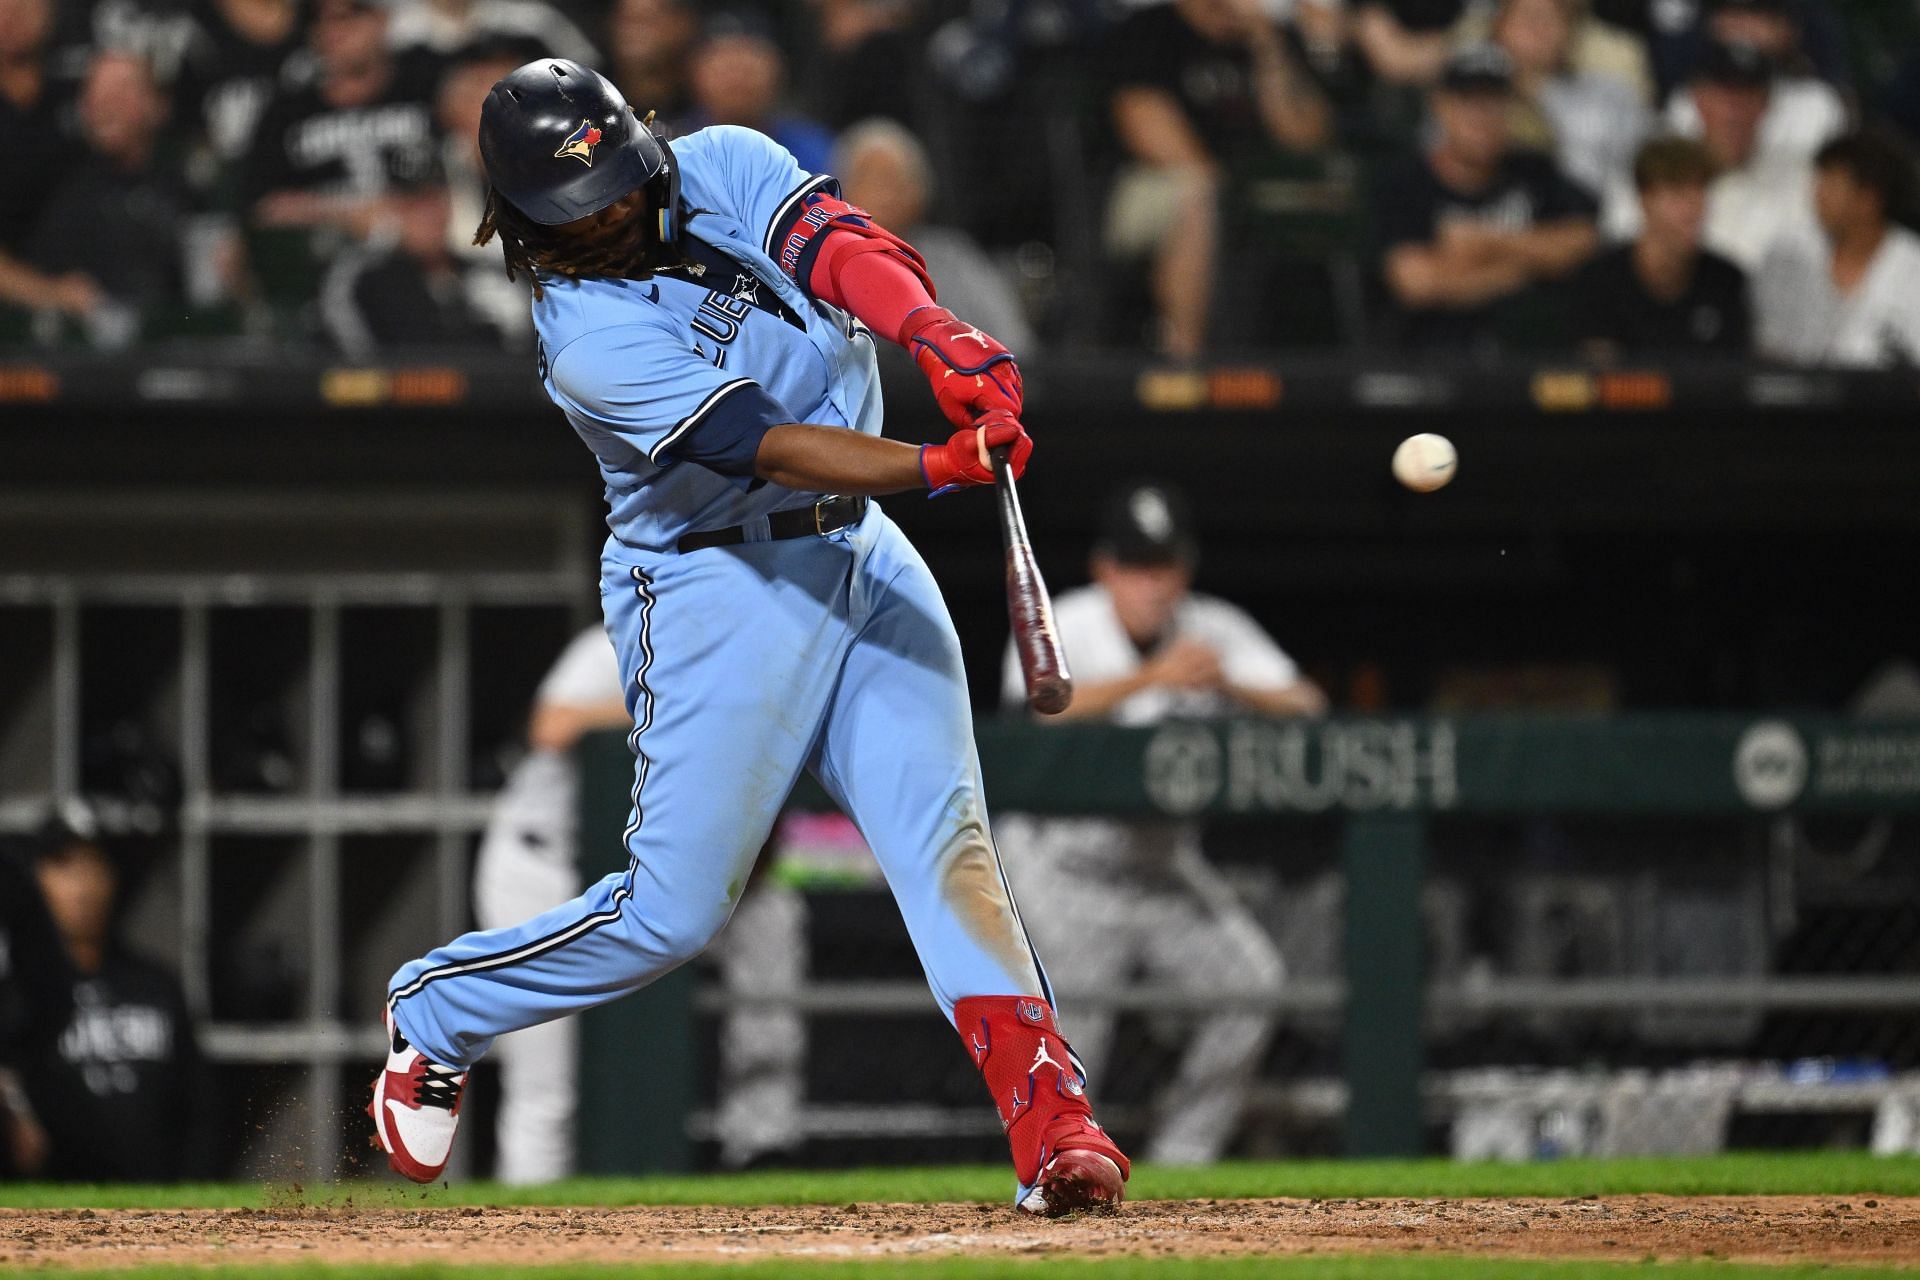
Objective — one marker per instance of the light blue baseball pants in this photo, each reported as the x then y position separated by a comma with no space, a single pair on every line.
744,665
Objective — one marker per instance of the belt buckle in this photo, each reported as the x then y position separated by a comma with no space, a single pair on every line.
819,515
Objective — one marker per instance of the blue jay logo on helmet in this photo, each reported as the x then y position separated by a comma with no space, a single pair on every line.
580,144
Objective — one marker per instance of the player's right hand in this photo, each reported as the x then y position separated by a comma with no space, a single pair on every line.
963,460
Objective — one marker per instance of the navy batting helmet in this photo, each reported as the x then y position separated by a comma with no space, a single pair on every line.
560,142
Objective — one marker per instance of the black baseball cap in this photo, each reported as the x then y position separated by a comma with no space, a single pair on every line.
1149,524
74,825
1477,68
1735,63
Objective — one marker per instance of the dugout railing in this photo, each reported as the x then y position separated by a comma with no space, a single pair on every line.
294,770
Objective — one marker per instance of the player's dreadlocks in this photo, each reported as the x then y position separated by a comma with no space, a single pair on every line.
533,248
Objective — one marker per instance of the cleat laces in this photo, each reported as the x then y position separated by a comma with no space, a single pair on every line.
439,1086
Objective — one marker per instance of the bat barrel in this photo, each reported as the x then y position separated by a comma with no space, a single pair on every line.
1042,660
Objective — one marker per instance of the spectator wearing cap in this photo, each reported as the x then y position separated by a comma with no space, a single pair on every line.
1807,34
445,27
122,1091
883,169
738,75
117,218
1802,112
649,42
349,163
1198,86
1761,195
1663,294
1470,227
1127,899
1855,300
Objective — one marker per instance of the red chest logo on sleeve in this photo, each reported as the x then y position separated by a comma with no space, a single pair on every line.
580,144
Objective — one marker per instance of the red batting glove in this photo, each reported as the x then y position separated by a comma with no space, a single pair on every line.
963,461
971,373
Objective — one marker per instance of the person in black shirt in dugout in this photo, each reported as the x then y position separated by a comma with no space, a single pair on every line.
1470,230
36,1000
120,1091
1664,294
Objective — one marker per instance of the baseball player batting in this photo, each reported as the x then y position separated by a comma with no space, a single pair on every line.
706,314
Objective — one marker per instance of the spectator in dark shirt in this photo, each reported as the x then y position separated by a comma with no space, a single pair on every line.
870,61
1663,294
116,219
37,147
1198,85
650,40
738,75
352,159
121,1094
228,75
1470,230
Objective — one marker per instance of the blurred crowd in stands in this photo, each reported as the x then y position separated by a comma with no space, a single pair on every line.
1616,178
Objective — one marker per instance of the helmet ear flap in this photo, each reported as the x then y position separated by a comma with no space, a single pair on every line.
666,184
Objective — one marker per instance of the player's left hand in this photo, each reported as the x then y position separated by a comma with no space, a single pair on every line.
970,371
963,460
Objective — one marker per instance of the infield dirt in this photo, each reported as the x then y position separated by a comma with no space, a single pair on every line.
1742,1228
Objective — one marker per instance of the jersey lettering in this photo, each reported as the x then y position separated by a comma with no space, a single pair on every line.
719,316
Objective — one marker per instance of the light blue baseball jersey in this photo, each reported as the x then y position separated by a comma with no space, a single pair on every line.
639,366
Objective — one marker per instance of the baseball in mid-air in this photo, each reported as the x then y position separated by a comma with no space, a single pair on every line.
1424,462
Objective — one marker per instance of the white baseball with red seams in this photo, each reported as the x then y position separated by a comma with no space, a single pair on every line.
1425,462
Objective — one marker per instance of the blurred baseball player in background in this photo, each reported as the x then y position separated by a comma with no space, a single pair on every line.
706,315
1127,896
529,861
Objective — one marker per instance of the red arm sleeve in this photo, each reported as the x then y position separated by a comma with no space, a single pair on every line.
880,288
842,257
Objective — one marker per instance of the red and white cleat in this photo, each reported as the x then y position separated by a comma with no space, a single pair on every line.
1075,1181
1063,1161
415,1108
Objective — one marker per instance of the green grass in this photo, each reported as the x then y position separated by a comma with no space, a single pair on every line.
1378,1267
1822,1173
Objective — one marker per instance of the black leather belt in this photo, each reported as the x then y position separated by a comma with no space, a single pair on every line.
822,518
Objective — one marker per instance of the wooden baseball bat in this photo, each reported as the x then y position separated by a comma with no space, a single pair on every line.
1042,659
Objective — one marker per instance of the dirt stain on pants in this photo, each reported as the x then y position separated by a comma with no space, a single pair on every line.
970,882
